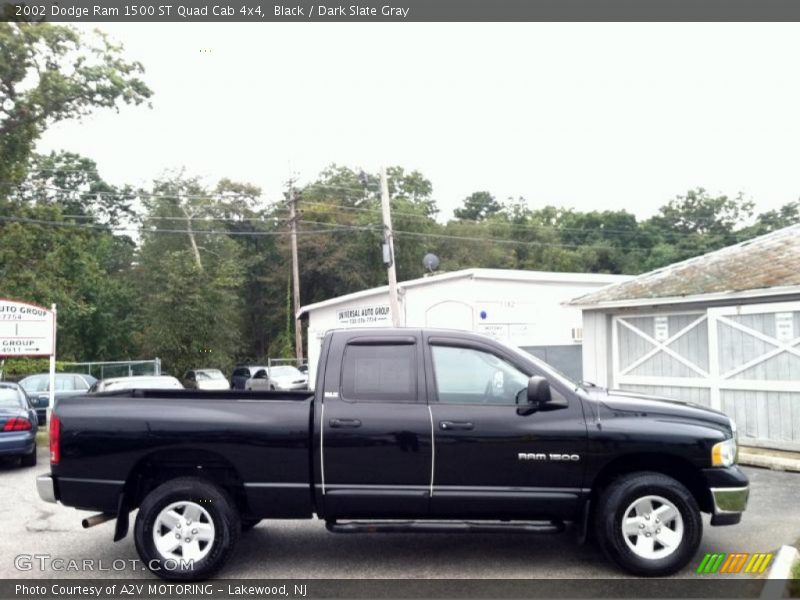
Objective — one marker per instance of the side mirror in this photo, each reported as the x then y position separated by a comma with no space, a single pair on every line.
538,392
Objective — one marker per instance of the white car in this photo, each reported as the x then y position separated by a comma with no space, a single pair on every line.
205,379
138,382
278,378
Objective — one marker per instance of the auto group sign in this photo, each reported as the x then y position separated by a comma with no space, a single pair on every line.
26,329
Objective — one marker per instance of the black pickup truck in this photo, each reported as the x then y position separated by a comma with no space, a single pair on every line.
408,430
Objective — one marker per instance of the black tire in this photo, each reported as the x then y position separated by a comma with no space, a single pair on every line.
29,460
248,524
223,513
612,505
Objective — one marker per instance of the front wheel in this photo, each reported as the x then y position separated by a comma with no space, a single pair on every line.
649,524
186,529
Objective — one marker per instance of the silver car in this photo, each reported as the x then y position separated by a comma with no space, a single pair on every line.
283,377
205,379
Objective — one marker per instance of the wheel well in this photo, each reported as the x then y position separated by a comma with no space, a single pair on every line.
673,466
159,467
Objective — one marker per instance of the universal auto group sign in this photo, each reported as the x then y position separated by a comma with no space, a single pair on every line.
26,329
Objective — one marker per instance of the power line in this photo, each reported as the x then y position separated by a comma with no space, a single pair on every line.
328,228
285,202
197,220
145,231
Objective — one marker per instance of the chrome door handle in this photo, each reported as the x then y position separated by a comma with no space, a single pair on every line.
456,425
342,423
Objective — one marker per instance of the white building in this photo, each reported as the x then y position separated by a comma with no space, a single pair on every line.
722,330
526,308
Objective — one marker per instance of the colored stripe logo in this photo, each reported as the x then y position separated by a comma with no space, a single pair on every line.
733,563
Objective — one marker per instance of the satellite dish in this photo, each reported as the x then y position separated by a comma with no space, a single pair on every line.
431,262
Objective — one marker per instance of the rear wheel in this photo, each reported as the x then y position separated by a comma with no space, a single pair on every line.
29,460
186,529
649,524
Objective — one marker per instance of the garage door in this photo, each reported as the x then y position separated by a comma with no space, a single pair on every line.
744,360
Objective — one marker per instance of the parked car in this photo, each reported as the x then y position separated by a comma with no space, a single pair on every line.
303,369
278,378
67,384
18,424
242,373
410,430
137,382
205,379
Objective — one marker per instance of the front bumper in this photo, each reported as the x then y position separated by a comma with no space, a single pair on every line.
291,387
730,490
46,488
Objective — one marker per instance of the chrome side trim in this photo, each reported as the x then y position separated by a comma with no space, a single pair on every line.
277,485
321,442
45,488
730,500
433,449
94,481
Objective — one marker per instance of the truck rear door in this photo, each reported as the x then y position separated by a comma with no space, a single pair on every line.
375,427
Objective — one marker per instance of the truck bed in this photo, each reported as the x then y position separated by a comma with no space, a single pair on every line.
261,440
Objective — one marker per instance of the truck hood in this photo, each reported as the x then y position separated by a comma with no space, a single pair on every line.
657,407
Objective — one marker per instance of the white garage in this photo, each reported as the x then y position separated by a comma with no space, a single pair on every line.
722,330
526,308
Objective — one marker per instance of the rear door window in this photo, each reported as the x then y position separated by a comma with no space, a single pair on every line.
379,373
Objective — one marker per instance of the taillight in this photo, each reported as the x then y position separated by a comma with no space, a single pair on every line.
17,424
55,439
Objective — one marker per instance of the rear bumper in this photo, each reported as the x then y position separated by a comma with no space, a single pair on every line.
730,490
46,488
17,443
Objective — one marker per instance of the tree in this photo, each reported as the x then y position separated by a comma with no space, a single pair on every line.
75,262
786,215
477,207
700,212
190,276
49,73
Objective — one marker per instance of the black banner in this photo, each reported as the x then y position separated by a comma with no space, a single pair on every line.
68,589
400,10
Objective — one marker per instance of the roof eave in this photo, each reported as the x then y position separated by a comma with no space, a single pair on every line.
710,297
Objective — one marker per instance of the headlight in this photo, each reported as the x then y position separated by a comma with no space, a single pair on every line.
723,454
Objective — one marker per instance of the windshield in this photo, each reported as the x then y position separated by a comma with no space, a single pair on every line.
210,374
547,368
9,398
285,372
36,383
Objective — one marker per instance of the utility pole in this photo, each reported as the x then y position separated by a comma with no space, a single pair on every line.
388,250
298,326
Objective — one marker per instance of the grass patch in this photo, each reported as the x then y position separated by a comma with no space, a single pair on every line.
794,582
42,438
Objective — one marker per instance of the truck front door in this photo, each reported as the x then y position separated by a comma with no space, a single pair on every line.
494,459
376,435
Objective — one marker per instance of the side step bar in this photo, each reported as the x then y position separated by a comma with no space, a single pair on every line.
445,526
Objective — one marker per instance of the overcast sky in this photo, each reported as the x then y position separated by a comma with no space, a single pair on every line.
590,116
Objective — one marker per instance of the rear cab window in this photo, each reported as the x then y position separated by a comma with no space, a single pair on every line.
379,373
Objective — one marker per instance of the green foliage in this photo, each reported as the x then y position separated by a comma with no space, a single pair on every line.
49,73
17,368
189,280
478,206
